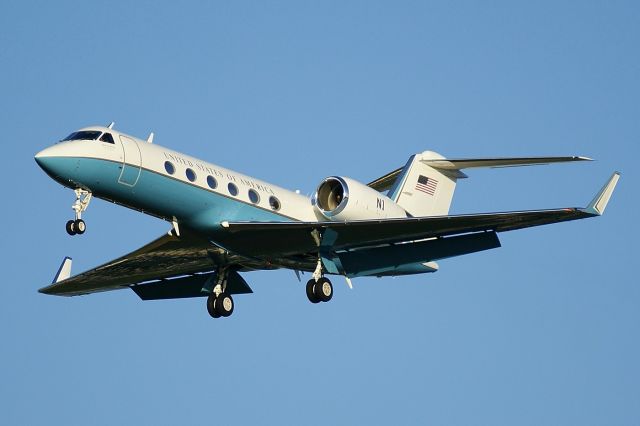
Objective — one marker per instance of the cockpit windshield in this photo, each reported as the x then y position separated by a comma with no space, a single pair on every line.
84,135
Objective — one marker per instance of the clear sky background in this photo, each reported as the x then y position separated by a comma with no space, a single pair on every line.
541,331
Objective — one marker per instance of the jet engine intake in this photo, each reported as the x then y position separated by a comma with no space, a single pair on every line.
340,198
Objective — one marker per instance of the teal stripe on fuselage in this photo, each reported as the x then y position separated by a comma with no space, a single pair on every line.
161,195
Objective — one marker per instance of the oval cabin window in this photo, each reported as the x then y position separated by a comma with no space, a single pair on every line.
274,203
211,181
254,196
169,167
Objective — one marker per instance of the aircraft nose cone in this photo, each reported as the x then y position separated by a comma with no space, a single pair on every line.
41,158
44,158
54,160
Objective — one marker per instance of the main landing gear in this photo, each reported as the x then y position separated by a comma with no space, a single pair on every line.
220,303
319,291
319,288
78,226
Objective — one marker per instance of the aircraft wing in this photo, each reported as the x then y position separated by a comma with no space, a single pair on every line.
172,267
264,239
166,257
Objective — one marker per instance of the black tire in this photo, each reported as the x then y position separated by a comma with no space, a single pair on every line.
71,228
211,306
79,226
311,291
323,290
224,304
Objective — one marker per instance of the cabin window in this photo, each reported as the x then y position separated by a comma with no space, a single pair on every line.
107,138
274,203
233,189
211,181
191,175
253,196
83,135
169,167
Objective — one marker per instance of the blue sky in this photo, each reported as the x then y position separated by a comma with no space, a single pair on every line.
541,331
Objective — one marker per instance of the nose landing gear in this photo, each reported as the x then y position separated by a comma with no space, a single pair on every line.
77,226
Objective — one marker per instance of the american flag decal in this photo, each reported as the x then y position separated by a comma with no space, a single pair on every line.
426,184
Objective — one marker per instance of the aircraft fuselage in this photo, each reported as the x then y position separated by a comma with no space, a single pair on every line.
168,184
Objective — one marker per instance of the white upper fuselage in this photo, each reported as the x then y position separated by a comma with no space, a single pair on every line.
168,184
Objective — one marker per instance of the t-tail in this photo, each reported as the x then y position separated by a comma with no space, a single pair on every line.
425,185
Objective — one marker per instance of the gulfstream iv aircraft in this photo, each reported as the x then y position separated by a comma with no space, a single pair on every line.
224,223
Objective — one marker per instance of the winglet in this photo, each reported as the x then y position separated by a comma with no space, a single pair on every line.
64,272
599,203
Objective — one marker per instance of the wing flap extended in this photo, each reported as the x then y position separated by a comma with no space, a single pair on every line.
191,286
394,257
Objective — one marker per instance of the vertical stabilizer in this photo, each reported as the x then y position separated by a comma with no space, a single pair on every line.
423,190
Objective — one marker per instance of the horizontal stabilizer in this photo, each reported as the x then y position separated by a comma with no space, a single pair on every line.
455,165
469,163
385,182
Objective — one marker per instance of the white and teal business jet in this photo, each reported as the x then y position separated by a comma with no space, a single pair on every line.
224,223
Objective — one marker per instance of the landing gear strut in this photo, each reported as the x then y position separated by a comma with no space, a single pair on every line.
78,226
220,303
319,288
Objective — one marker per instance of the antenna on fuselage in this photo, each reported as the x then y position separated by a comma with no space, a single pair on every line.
150,138
110,126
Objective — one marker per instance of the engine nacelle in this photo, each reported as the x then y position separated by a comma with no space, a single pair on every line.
341,198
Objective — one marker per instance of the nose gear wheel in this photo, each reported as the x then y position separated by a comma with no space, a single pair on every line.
78,226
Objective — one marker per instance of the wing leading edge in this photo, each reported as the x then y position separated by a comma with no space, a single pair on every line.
168,267
262,239
164,257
